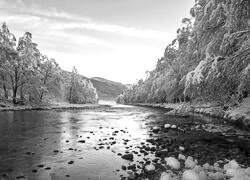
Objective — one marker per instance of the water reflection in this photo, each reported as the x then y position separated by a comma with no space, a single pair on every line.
50,139
76,144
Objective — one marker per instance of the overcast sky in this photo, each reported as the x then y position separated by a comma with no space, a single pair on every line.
114,39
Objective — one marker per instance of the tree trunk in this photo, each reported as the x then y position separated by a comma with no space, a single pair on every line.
41,96
14,95
5,88
21,93
5,92
70,94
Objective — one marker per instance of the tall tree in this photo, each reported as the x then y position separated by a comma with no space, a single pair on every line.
21,67
7,52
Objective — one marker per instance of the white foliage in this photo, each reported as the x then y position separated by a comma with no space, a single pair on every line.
196,76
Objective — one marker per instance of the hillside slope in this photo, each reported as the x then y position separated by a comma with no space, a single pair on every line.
106,89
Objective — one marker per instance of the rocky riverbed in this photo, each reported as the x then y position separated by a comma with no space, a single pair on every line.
117,142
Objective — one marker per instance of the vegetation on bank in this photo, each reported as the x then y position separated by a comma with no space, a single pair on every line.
29,77
209,61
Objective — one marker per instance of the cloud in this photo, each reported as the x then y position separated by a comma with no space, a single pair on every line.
34,14
43,30
54,13
110,28
19,7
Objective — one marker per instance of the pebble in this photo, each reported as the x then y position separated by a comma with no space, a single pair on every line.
181,157
190,163
150,168
173,126
181,148
81,141
172,162
165,176
40,165
190,175
167,126
70,162
128,156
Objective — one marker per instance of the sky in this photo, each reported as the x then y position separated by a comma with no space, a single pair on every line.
114,39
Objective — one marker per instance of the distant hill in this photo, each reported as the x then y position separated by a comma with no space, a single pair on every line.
106,89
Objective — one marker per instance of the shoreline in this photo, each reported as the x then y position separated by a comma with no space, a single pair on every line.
238,115
60,106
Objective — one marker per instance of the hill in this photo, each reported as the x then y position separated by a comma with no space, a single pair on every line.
106,89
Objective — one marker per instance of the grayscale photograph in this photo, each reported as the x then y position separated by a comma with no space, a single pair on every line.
124,89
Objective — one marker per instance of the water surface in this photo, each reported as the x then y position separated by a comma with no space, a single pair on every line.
81,144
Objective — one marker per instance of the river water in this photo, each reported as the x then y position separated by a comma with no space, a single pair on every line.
88,144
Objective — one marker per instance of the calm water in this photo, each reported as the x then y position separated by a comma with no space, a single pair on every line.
45,144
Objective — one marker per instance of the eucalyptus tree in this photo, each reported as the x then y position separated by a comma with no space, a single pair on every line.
46,78
7,53
21,66
80,90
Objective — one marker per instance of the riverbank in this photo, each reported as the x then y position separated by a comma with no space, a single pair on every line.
238,115
10,107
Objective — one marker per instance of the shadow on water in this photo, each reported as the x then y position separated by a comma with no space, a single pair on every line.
88,144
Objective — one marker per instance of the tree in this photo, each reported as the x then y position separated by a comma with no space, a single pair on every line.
21,66
80,90
208,60
7,52
46,78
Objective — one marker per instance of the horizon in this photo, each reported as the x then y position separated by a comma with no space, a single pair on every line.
104,39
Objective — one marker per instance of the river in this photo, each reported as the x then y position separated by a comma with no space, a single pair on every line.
88,144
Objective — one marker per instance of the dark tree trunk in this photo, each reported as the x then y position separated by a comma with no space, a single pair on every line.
21,93
41,96
5,88
14,95
5,92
